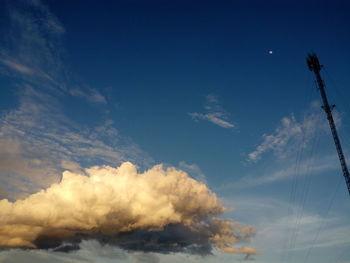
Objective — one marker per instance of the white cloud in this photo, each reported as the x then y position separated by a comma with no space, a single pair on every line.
215,113
290,134
109,201
215,117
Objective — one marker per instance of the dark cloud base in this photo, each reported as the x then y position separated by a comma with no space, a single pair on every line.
173,238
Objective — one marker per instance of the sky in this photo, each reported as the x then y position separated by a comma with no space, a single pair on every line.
172,131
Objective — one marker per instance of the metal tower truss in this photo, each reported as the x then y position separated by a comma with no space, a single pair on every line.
314,66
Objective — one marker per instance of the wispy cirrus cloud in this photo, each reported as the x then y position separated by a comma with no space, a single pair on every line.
34,52
17,66
92,95
286,171
214,113
39,142
290,229
38,139
291,134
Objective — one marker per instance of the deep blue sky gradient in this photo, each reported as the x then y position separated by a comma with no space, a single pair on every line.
160,58
157,61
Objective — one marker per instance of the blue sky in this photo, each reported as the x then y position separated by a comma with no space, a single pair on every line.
189,84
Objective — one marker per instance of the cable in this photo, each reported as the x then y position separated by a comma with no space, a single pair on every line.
290,236
306,181
336,190
342,253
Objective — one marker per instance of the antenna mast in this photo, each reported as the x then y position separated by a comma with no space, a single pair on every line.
314,66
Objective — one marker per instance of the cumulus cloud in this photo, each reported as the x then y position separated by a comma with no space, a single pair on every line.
162,210
214,113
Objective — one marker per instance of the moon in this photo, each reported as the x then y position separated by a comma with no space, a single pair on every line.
270,52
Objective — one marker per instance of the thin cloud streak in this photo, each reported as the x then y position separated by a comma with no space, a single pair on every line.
17,66
311,166
215,113
212,117
91,95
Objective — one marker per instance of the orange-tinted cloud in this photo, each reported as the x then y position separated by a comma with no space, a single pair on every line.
110,202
